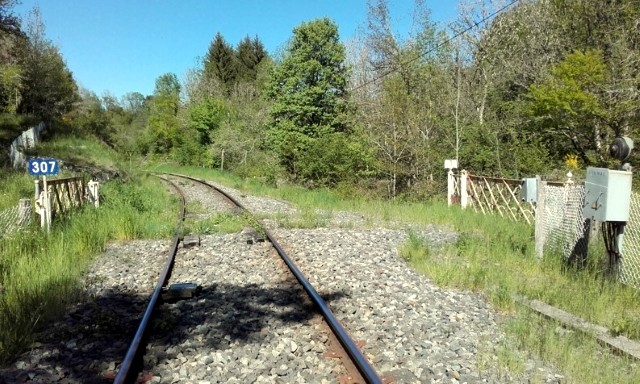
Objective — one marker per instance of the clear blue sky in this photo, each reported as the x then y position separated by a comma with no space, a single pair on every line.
122,46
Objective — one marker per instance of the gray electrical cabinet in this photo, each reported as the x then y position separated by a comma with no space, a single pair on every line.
529,190
607,194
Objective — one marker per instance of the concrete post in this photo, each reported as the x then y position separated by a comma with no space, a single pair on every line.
540,235
37,185
464,198
94,187
450,187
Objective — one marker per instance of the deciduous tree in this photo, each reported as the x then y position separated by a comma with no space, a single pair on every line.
49,89
308,89
567,109
163,126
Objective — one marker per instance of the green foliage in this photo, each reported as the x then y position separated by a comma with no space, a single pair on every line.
40,273
261,165
566,107
309,86
90,117
219,223
310,107
163,126
12,125
15,185
250,54
415,249
221,64
410,115
86,152
188,150
331,159
10,87
206,116
49,90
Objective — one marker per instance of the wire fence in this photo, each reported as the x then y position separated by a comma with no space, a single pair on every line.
15,218
564,228
630,262
561,226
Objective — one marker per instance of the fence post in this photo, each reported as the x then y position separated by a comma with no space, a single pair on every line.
540,235
94,186
450,187
569,178
464,199
43,208
40,210
37,185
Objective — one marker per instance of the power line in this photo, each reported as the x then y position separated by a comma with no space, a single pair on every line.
455,36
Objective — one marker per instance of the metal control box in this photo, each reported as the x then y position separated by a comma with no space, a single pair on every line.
607,194
529,190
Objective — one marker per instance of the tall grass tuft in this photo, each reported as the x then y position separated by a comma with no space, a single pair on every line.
416,249
14,185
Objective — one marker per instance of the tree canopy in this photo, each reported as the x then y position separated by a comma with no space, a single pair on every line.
310,102
539,82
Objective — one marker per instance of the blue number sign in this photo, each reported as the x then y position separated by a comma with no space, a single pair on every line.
43,167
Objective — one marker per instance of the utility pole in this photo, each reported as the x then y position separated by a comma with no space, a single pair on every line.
457,114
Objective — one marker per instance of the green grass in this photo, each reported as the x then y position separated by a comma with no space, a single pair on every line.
14,185
221,222
494,256
218,222
40,272
11,126
315,206
82,151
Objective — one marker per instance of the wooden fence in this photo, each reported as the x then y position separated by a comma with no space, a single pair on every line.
490,195
62,195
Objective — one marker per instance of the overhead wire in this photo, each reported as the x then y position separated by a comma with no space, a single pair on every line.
455,36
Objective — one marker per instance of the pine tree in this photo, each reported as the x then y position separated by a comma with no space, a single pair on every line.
249,53
221,63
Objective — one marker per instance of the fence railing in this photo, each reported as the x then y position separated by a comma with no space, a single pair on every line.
60,196
491,195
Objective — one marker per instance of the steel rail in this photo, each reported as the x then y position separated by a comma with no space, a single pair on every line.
360,361
125,371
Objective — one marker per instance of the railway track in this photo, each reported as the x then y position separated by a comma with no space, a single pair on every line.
357,367
251,322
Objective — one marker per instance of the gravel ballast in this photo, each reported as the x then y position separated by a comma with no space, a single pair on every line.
250,322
